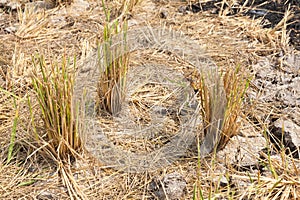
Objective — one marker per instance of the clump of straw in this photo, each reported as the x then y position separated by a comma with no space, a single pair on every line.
113,67
53,85
221,108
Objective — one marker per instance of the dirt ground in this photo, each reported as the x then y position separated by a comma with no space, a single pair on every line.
260,37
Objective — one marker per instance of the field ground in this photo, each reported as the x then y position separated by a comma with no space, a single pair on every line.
251,166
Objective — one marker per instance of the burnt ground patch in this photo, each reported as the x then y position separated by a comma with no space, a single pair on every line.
271,12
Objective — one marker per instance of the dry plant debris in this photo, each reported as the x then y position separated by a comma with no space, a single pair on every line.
230,41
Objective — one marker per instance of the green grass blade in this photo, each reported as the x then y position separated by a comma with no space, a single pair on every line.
13,137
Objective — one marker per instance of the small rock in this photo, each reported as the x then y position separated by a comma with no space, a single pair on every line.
44,195
3,2
293,114
243,152
182,9
163,14
289,94
171,187
43,5
214,11
293,61
222,180
13,5
11,29
289,132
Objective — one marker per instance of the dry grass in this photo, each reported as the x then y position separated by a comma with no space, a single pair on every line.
53,86
236,84
25,171
113,68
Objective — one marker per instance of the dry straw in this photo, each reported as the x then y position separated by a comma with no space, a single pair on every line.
236,82
53,85
113,67
235,34
54,90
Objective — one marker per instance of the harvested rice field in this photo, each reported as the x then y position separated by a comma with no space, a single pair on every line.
150,99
